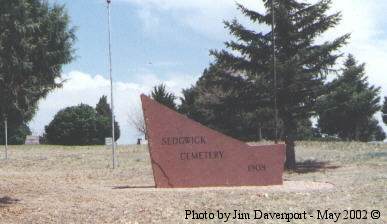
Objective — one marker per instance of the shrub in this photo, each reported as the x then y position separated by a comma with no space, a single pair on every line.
77,125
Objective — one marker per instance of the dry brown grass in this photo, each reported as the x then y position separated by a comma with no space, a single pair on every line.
54,184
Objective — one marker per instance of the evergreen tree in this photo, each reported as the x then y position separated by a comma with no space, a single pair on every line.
348,108
221,101
35,42
226,102
103,108
105,122
161,95
302,64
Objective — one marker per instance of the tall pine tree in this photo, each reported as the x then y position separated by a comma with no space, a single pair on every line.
348,108
302,64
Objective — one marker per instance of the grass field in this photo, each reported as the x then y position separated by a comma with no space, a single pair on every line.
54,184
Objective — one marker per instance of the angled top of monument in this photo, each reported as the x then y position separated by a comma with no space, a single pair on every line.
185,153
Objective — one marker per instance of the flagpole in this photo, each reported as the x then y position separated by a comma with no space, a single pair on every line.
6,137
111,88
274,73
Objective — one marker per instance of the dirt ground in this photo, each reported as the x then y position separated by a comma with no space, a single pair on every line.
56,184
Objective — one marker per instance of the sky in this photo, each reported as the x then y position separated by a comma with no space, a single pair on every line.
168,41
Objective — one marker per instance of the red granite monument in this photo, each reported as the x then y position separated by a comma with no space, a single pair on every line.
185,153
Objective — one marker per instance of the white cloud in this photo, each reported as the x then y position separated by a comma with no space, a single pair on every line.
202,16
150,22
85,88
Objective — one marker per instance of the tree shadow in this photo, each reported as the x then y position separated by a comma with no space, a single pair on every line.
131,187
311,166
5,201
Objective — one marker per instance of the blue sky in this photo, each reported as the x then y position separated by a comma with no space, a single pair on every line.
159,43
168,41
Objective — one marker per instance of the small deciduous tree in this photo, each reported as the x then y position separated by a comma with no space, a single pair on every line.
136,120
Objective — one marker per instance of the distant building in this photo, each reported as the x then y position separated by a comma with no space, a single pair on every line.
32,140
